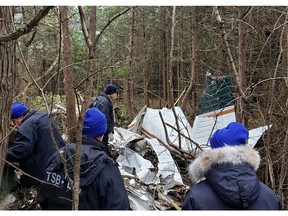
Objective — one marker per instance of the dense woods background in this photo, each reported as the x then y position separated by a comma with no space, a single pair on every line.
157,56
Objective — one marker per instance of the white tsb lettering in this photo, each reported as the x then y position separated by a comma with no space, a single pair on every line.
68,185
54,178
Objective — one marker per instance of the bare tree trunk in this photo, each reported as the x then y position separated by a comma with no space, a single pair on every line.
231,61
171,87
7,79
91,49
242,105
163,55
127,82
189,99
90,38
111,60
181,65
68,75
179,77
145,84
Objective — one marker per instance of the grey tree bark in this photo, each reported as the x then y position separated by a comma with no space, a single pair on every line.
7,79
68,74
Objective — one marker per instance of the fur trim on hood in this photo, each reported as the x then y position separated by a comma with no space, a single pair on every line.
235,155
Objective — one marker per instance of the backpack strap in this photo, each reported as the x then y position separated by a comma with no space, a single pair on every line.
243,195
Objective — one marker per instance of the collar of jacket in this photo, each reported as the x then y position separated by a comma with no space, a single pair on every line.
29,114
88,140
235,155
103,94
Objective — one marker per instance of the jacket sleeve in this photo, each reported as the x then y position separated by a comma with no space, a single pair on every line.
24,143
108,111
111,189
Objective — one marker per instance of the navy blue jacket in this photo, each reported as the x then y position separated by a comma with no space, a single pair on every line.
104,104
227,180
101,184
33,146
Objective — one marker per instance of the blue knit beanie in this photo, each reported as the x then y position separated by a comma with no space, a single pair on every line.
234,134
111,89
95,124
18,110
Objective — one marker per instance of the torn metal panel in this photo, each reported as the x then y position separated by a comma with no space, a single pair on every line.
134,125
255,134
152,127
206,124
135,164
167,168
124,137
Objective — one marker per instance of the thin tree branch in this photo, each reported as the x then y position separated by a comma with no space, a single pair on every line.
47,72
110,21
180,151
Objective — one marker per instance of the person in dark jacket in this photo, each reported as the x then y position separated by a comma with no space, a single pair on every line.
226,175
105,105
35,141
101,184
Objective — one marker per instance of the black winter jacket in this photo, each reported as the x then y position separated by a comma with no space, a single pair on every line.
104,104
33,146
230,182
101,184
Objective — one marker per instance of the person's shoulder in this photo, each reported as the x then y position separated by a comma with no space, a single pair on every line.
101,97
104,100
38,114
31,118
108,162
102,94
267,190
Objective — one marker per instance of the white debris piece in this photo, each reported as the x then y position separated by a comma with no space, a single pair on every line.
152,127
255,134
206,124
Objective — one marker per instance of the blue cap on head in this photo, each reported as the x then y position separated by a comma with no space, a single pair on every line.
95,123
232,135
111,89
18,110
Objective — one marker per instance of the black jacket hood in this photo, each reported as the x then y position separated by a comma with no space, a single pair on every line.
231,173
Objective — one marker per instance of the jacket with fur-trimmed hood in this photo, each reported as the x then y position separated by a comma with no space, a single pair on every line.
227,180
